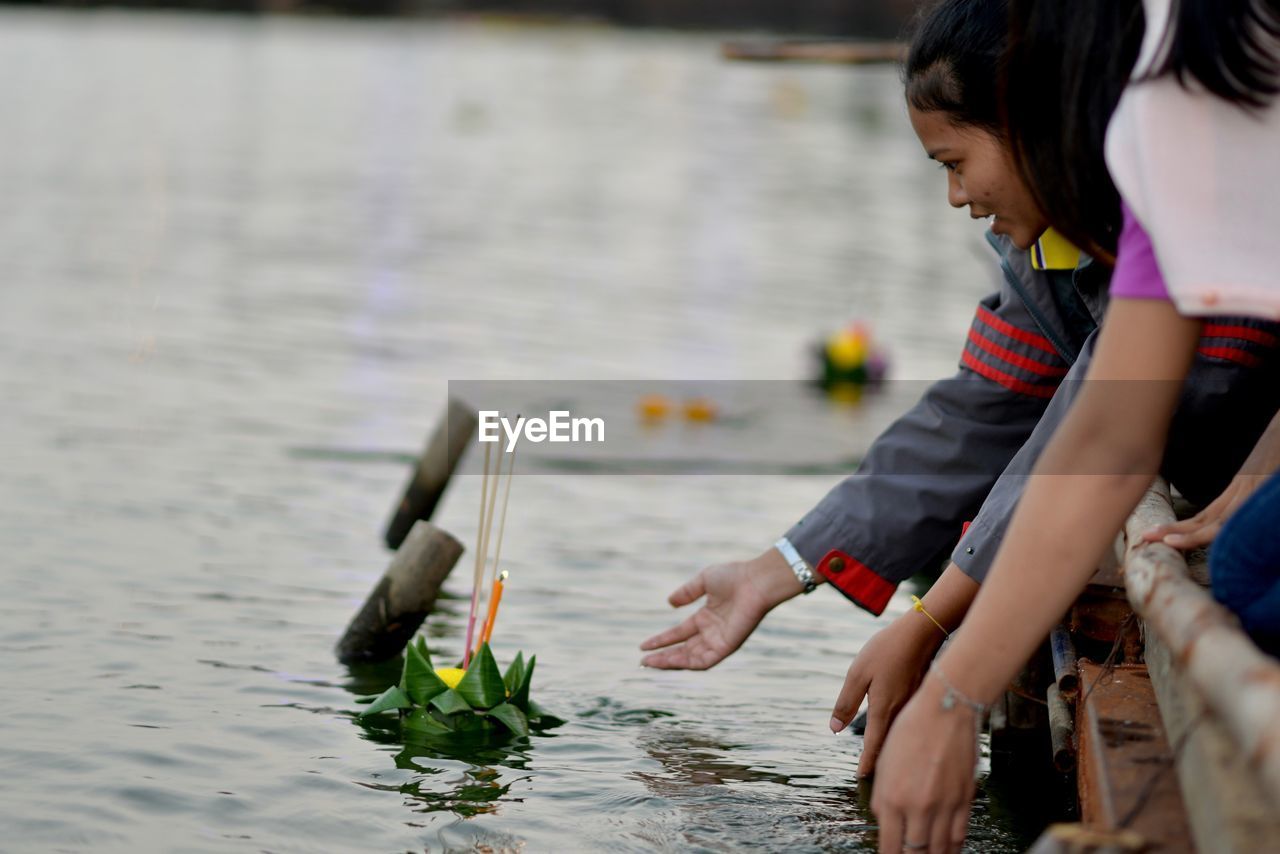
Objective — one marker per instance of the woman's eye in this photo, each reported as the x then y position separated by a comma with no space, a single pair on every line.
949,165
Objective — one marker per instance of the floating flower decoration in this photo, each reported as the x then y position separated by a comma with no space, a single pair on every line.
451,700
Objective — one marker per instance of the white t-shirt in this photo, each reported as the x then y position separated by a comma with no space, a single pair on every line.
1202,176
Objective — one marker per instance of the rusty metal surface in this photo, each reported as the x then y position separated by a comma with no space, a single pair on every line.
1125,765
1103,613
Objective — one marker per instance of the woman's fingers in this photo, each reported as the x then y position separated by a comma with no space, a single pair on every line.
676,634
688,656
1194,539
872,741
690,591
959,826
1159,532
1195,532
852,693
889,821
918,833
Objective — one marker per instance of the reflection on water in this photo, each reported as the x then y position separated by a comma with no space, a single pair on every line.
690,760
228,242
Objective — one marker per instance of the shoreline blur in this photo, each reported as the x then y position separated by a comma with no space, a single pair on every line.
877,19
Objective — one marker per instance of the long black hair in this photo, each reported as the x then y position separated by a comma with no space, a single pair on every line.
1067,65
1230,47
954,62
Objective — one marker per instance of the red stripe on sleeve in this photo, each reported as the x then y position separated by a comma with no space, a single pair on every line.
982,342
1244,333
1031,339
1233,354
1010,382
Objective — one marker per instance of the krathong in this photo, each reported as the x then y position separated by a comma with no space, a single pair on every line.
450,701
475,697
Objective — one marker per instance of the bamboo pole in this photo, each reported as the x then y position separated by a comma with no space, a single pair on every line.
1063,651
482,552
1239,684
430,477
402,598
1061,730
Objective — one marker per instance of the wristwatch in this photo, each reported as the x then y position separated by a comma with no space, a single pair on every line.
800,566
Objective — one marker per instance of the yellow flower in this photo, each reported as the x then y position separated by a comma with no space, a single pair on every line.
451,676
847,349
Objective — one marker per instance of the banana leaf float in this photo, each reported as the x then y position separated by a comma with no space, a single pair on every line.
451,701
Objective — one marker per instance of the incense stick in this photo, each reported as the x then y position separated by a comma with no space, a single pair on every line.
484,550
479,571
487,630
506,499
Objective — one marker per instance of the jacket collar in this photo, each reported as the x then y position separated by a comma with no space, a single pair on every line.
1054,252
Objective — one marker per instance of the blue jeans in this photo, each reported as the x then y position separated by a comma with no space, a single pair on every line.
1244,565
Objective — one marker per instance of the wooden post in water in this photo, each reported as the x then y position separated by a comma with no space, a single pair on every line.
402,598
435,467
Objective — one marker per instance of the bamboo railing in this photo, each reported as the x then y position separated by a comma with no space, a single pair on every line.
1238,684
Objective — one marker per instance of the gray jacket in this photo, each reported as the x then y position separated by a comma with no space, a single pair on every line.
963,451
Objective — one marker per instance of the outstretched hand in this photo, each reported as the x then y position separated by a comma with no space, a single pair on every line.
738,595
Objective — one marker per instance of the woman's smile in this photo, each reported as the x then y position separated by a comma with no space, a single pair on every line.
980,175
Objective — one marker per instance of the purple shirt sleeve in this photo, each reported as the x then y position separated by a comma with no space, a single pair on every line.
1137,274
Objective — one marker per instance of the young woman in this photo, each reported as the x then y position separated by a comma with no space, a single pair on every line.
931,471
1213,58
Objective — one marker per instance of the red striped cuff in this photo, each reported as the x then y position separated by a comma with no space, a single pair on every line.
852,578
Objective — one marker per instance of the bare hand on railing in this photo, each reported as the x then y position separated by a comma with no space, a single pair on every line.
1200,529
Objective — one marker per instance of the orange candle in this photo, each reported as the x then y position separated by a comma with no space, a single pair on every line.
493,608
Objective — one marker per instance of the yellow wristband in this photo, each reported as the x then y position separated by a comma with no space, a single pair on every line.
919,606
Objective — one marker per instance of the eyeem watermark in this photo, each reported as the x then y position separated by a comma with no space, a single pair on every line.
558,426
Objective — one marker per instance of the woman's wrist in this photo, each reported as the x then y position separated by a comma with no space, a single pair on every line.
969,676
921,633
773,578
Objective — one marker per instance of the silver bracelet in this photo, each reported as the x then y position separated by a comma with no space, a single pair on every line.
804,573
954,696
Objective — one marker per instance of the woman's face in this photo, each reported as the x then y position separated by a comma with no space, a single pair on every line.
980,175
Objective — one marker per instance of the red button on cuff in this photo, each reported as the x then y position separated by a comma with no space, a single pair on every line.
852,578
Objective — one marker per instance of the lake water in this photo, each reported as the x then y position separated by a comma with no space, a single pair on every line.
229,240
